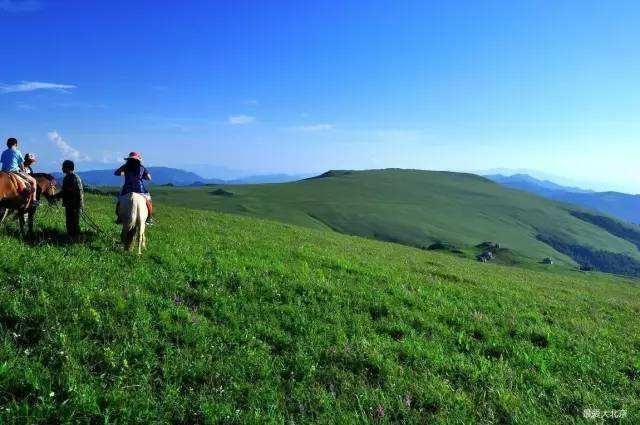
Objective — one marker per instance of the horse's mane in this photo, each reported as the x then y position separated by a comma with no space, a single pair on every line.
44,175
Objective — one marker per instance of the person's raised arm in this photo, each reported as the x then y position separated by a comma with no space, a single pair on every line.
119,171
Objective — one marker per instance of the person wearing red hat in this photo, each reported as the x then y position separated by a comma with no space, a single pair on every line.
134,176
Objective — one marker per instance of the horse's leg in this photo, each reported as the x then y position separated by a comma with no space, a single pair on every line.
3,214
139,231
31,215
143,214
124,235
128,235
141,242
21,220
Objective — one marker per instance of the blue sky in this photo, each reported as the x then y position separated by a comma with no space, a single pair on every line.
294,86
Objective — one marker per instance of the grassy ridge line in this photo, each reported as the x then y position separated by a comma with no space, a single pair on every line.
416,208
242,320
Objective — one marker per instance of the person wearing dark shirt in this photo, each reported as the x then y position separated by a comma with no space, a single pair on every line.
72,195
134,176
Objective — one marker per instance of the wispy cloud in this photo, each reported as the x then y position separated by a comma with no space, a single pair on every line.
81,105
67,151
20,6
25,106
240,119
314,127
398,135
26,86
108,157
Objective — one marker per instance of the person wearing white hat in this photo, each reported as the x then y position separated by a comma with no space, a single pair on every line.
29,160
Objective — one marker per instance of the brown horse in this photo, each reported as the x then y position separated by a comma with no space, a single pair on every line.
14,196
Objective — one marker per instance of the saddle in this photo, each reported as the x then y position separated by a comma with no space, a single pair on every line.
22,185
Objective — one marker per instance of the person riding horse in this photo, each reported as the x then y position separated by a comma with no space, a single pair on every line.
134,175
13,162
12,195
29,160
45,183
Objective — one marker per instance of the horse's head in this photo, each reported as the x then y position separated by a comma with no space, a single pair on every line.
47,186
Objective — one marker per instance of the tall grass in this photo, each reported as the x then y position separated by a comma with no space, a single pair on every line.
228,319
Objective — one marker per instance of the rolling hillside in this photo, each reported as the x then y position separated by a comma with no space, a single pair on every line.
230,319
422,208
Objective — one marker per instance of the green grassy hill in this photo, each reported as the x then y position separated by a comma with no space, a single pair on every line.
230,319
420,208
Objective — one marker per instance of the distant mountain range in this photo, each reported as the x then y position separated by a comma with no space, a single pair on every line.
620,205
268,178
178,177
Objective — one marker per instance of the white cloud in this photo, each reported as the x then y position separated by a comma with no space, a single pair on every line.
67,151
240,119
26,86
82,105
177,127
107,157
18,6
314,127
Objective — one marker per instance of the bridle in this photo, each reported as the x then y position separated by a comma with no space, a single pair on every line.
49,191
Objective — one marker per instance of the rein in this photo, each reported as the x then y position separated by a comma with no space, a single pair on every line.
91,223
96,228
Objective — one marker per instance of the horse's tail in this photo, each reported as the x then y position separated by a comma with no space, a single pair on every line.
127,212
140,222
133,213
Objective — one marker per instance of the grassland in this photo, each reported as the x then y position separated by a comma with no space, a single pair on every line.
230,319
416,208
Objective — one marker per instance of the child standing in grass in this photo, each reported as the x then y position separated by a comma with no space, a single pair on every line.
72,195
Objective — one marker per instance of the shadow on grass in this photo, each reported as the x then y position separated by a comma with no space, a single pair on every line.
56,237
49,236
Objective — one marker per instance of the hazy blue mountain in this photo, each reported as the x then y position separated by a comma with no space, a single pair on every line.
178,177
268,178
216,172
593,184
160,175
621,205
531,184
213,173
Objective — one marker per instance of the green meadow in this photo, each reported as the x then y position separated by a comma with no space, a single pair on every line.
234,319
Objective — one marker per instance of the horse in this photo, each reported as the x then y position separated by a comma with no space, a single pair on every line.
13,198
47,187
133,214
